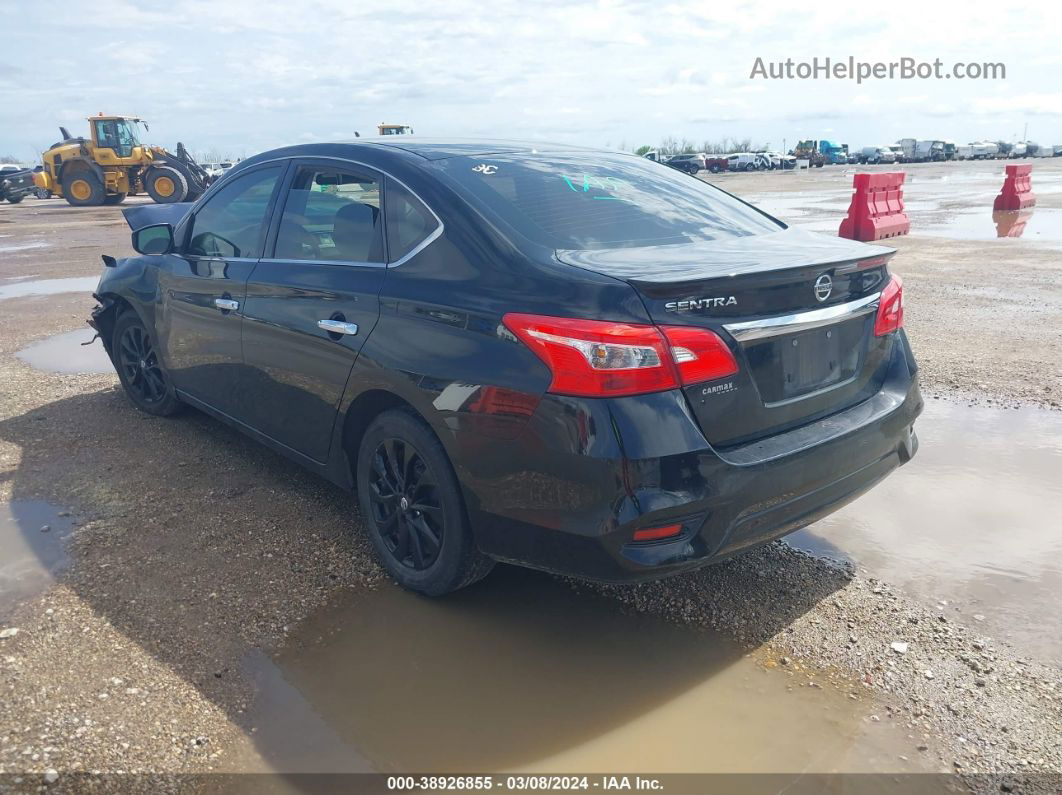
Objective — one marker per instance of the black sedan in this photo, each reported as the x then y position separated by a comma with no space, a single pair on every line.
574,360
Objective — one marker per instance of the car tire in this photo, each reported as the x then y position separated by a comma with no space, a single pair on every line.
114,198
134,353
412,507
83,189
750,166
15,199
165,185
714,169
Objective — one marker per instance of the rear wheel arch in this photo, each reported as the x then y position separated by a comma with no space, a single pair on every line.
359,416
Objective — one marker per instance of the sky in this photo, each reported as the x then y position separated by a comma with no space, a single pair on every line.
235,77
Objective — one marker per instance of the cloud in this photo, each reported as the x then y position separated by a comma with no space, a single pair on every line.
247,75
1034,103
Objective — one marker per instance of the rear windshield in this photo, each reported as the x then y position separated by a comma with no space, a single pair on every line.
602,200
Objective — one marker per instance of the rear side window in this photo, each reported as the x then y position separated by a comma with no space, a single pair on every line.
232,222
409,222
331,215
602,200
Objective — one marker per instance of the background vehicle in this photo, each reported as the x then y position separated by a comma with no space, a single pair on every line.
897,153
690,163
876,154
984,150
687,162
394,129
769,160
742,161
112,163
809,150
716,163
690,377
929,151
833,153
908,147
853,157
16,182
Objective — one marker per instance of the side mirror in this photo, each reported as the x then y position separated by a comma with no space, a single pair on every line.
154,239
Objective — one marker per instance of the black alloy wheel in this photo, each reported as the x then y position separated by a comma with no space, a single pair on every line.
140,370
406,505
412,506
140,364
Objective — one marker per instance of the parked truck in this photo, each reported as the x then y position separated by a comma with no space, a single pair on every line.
833,153
907,145
929,151
984,150
876,154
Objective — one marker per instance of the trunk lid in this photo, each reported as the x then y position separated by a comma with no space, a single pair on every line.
796,308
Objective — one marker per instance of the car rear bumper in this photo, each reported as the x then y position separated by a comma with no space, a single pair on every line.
569,493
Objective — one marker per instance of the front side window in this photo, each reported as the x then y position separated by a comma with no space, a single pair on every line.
331,215
232,223
409,222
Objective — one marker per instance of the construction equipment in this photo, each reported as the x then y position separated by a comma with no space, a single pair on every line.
112,164
809,150
394,129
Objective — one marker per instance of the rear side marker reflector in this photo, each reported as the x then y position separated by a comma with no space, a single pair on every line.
890,308
657,533
594,358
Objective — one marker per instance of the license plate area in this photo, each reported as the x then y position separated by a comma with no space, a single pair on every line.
790,366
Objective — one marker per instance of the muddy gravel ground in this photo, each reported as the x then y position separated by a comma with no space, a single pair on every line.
192,546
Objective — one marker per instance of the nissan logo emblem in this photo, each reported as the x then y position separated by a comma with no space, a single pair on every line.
823,287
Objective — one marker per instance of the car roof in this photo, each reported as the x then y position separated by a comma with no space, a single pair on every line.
442,148
424,148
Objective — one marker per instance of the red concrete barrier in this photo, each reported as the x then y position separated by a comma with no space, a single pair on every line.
1010,223
1017,189
876,210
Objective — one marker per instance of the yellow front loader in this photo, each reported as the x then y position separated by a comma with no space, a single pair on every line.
112,163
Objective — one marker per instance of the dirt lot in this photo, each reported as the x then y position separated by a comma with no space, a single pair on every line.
190,549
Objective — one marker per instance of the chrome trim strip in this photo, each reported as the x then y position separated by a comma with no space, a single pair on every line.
339,262
395,263
802,321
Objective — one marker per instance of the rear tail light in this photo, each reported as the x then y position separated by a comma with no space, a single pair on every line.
890,308
657,533
593,358
699,354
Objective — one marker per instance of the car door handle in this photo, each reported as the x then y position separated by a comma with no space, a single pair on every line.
338,327
226,304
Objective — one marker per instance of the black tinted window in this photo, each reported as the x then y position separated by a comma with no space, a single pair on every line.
408,221
232,222
602,200
331,215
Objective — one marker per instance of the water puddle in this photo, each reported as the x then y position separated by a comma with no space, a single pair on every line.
29,555
972,520
523,673
68,353
1037,225
84,284
957,206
